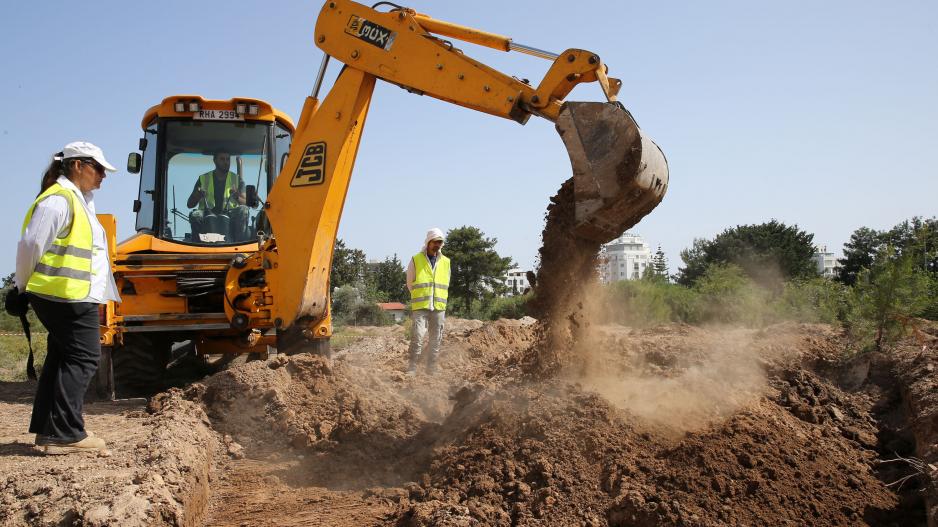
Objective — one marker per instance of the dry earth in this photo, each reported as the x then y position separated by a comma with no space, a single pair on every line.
675,425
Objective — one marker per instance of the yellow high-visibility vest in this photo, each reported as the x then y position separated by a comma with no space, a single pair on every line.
430,283
207,182
64,270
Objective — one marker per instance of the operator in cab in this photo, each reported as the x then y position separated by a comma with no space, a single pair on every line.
220,198
428,281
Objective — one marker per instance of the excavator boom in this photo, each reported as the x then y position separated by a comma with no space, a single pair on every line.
619,174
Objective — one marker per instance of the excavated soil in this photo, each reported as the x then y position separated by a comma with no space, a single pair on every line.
676,425
156,471
668,426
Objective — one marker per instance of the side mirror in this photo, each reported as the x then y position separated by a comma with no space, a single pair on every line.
251,198
133,163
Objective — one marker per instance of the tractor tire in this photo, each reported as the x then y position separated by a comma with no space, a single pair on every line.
140,365
291,342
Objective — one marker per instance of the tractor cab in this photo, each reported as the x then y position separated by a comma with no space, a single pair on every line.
206,167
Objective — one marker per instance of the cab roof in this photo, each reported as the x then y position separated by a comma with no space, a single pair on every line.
265,112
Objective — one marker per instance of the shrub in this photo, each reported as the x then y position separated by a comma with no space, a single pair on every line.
647,302
370,314
508,307
728,295
814,300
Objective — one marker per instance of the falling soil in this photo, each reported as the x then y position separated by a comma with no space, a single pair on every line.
564,278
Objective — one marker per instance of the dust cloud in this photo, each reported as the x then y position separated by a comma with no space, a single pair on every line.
683,391
672,390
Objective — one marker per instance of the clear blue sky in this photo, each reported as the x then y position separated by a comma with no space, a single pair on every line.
821,114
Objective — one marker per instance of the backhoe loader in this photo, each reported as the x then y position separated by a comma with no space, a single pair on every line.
248,267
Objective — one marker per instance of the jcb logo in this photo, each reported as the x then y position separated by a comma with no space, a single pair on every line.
312,169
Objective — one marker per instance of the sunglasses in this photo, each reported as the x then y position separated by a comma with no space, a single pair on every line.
94,164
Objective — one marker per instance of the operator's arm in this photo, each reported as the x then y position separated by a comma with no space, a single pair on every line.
197,194
238,192
411,273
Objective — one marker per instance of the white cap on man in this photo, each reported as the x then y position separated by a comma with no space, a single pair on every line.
433,234
85,149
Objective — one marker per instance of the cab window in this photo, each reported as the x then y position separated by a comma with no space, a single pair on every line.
216,180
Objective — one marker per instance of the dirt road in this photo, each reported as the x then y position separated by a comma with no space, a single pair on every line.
667,426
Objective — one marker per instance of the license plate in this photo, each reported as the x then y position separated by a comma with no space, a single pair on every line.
217,115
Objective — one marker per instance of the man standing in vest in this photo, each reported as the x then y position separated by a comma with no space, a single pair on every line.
219,192
428,282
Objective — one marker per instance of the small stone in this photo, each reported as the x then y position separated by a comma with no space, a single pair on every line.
235,450
835,413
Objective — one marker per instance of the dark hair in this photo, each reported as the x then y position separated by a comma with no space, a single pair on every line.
58,167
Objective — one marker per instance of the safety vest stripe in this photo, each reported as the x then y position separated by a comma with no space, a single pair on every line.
66,272
65,261
429,284
425,298
69,250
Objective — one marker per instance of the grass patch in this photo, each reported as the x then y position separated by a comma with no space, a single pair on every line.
13,354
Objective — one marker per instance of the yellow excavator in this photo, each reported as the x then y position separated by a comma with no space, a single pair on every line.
238,210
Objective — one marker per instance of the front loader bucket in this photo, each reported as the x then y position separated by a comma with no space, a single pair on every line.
619,175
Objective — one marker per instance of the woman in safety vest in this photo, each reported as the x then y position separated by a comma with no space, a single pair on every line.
62,263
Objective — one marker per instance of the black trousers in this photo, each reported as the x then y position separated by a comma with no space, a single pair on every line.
72,358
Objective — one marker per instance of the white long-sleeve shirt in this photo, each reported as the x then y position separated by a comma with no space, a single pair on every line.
51,219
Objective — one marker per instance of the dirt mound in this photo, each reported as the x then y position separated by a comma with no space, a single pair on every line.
155,473
356,442
304,403
557,454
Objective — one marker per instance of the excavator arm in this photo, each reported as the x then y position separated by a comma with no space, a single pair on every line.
619,175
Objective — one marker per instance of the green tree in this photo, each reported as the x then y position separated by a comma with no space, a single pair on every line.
888,294
8,280
658,270
767,253
349,266
859,254
478,272
390,280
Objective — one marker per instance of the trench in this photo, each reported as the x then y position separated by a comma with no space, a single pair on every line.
311,469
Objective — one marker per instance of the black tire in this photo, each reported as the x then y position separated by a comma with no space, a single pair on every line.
140,365
291,342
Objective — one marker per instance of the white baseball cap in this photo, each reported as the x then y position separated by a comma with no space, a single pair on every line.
85,149
433,234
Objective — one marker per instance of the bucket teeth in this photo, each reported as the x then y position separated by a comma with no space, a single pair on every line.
619,175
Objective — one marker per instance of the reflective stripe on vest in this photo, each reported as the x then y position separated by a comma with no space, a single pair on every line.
64,270
207,181
430,283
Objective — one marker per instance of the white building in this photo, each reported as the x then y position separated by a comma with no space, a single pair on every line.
826,262
516,282
624,258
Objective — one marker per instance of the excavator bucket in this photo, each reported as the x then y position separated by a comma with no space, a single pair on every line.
619,175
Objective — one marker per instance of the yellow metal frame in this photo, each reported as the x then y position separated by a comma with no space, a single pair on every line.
166,108
305,204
